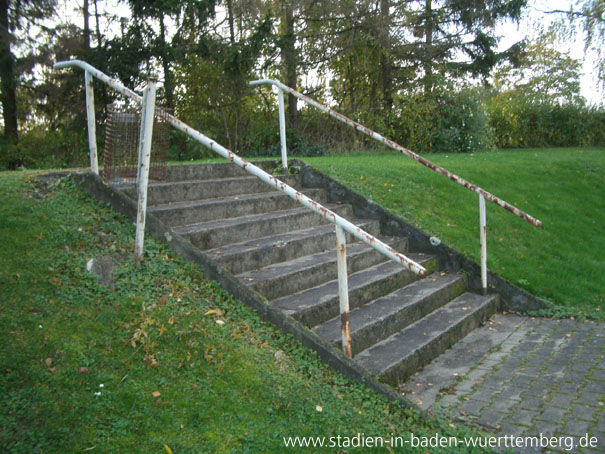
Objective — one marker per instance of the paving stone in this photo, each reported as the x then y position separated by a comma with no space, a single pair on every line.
545,428
590,398
576,427
530,401
483,393
552,414
521,381
472,407
561,400
546,377
502,404
523,417
583,412
568,387
594,387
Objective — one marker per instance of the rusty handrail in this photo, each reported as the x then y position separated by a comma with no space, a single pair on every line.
332,217
389,143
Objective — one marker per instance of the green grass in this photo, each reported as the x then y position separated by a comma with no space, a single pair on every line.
561,262
81,366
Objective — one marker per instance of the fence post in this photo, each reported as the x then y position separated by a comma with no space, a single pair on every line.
483,235
90,116
147,117
282,129
343,290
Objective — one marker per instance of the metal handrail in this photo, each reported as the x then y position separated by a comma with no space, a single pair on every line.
359,127
483,194
341,224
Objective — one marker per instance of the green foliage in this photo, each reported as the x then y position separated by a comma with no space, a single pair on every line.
147,366
444,120
520,122
40,148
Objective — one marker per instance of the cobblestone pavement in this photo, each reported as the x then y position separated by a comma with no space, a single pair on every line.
522,376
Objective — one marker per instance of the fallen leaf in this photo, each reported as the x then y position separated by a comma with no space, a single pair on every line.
52,370
83,370
48,361
318,408
156,394
167,449
220,322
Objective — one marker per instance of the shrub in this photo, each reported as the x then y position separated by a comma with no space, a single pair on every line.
444,120
520,121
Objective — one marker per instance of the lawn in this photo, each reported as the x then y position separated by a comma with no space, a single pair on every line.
166,363
561,262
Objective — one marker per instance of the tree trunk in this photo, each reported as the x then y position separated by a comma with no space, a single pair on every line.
7,77
428,41
168,79
386,72
237,76
288,54
86,17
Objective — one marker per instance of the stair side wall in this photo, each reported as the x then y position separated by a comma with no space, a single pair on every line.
511,297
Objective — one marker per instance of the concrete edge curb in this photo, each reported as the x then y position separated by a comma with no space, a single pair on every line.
512,297
94,186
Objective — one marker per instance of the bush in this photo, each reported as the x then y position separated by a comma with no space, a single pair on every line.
445,120
40,148
519,121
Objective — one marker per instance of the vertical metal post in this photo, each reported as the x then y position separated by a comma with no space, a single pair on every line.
483,235
147,115
90,115
343,290
282,129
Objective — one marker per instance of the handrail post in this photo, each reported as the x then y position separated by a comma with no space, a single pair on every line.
483,236
343,290
282,129
90,116
145,137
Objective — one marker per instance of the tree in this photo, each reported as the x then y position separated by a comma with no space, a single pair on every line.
542,73
15,16
148,38
457,35
588,18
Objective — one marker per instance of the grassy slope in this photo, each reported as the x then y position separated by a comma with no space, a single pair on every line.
237,387
562,261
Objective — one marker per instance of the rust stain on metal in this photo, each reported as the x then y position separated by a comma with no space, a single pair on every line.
345,324
359,127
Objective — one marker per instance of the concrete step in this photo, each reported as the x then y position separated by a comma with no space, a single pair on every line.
212,234
260,252
379,319
212,171
396,358
190,212
318,304
179,191
281,279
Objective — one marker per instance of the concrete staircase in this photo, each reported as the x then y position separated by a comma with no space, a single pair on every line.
285,252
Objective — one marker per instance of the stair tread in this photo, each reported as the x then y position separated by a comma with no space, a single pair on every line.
280,240
394,350
382,308
230,222
220,200
199,181
323,293
278,270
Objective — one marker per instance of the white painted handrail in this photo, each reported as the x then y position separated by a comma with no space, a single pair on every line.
483,194
342,225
